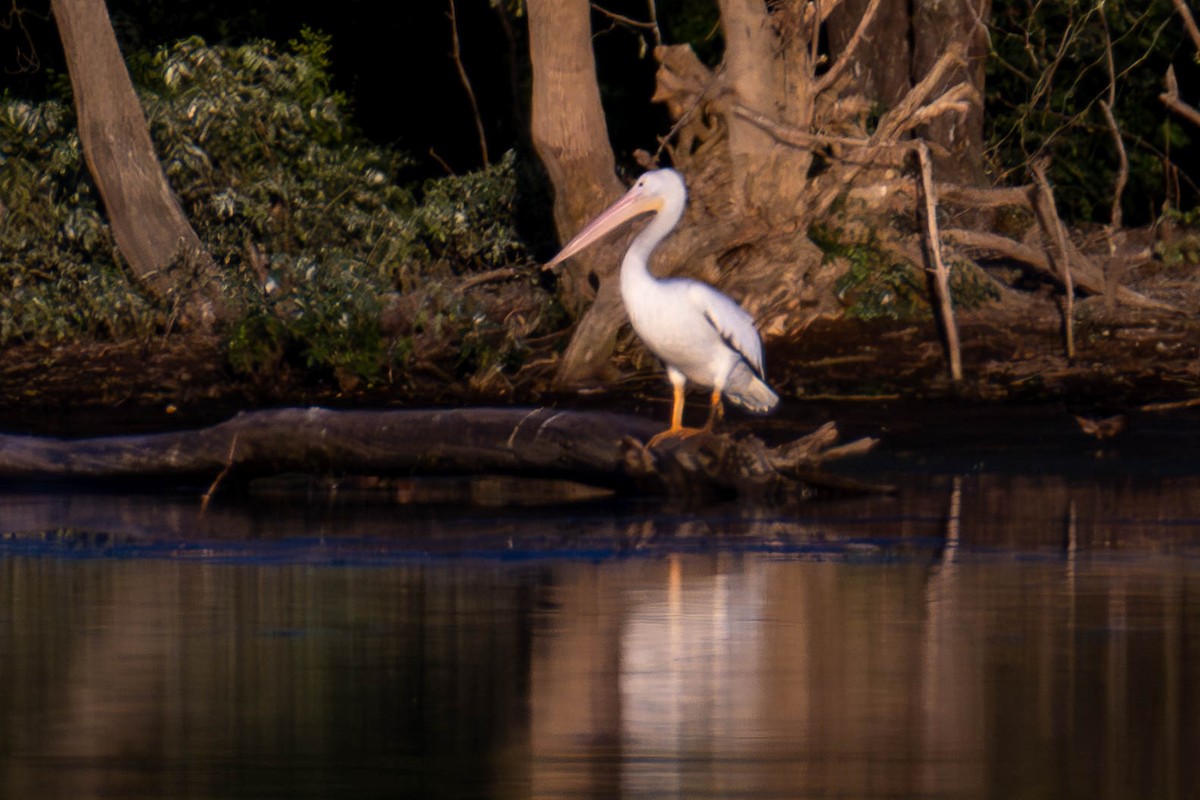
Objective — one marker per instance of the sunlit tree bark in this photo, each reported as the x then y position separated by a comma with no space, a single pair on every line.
571,138
772,142
162,250
900,46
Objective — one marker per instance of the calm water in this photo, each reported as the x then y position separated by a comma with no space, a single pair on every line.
982,634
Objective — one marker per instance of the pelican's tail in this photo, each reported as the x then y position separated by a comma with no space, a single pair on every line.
747,390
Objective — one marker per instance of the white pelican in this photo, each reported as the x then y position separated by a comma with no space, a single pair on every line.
699,334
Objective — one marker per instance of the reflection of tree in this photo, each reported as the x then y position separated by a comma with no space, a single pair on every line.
169,678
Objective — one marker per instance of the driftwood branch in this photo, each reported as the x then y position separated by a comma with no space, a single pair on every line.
995,245
941,275
1173,101
1189,22
1085,274
1047,213
895,121
590,447
848,52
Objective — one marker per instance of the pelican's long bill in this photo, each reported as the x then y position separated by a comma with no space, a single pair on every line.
632,204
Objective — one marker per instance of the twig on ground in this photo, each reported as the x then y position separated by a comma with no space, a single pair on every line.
491,276
212,489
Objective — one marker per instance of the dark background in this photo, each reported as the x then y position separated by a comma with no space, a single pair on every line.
392,58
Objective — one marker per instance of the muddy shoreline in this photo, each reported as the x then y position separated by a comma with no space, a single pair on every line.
1126,360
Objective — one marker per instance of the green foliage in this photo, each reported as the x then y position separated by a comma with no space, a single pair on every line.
58,273
878,285
696,22
325,316
1046,79
265,159
260,148
310,223
1182,247
470,220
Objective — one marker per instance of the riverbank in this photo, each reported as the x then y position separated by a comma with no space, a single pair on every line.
1125,359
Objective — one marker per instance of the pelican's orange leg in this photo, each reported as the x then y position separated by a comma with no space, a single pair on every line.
716,411
677,430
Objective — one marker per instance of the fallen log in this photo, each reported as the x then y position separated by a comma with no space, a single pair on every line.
590,447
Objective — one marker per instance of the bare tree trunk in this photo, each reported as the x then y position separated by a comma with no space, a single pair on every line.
902,44
751,65
936,24
770,73
571,138
881,73
163,251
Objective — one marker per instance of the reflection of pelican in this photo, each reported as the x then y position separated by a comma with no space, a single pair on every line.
700,334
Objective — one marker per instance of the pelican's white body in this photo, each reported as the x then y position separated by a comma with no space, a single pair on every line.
700,334
673,318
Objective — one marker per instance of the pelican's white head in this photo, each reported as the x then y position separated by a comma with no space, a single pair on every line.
660,191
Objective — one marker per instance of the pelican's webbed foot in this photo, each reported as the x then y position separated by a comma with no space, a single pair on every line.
674,433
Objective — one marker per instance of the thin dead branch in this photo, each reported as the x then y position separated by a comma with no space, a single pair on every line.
491,276
1172,100
1047,213
941,275
786,134
1106,106
1189,22
957,99
1174,406
1112,231
831,75
456,52
212,489
971,197
996,246
893,123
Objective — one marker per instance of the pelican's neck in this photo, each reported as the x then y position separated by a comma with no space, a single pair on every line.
635,269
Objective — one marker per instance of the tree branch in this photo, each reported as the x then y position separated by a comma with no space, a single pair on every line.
831,75
1047,213
892,123
1005,248
466,82
1171,99
941,275
1189,22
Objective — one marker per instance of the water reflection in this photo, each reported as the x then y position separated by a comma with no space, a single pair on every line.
975,638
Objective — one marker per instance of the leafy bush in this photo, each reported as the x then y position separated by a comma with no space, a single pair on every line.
310,223
470,220
59,277
259,146
879,285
